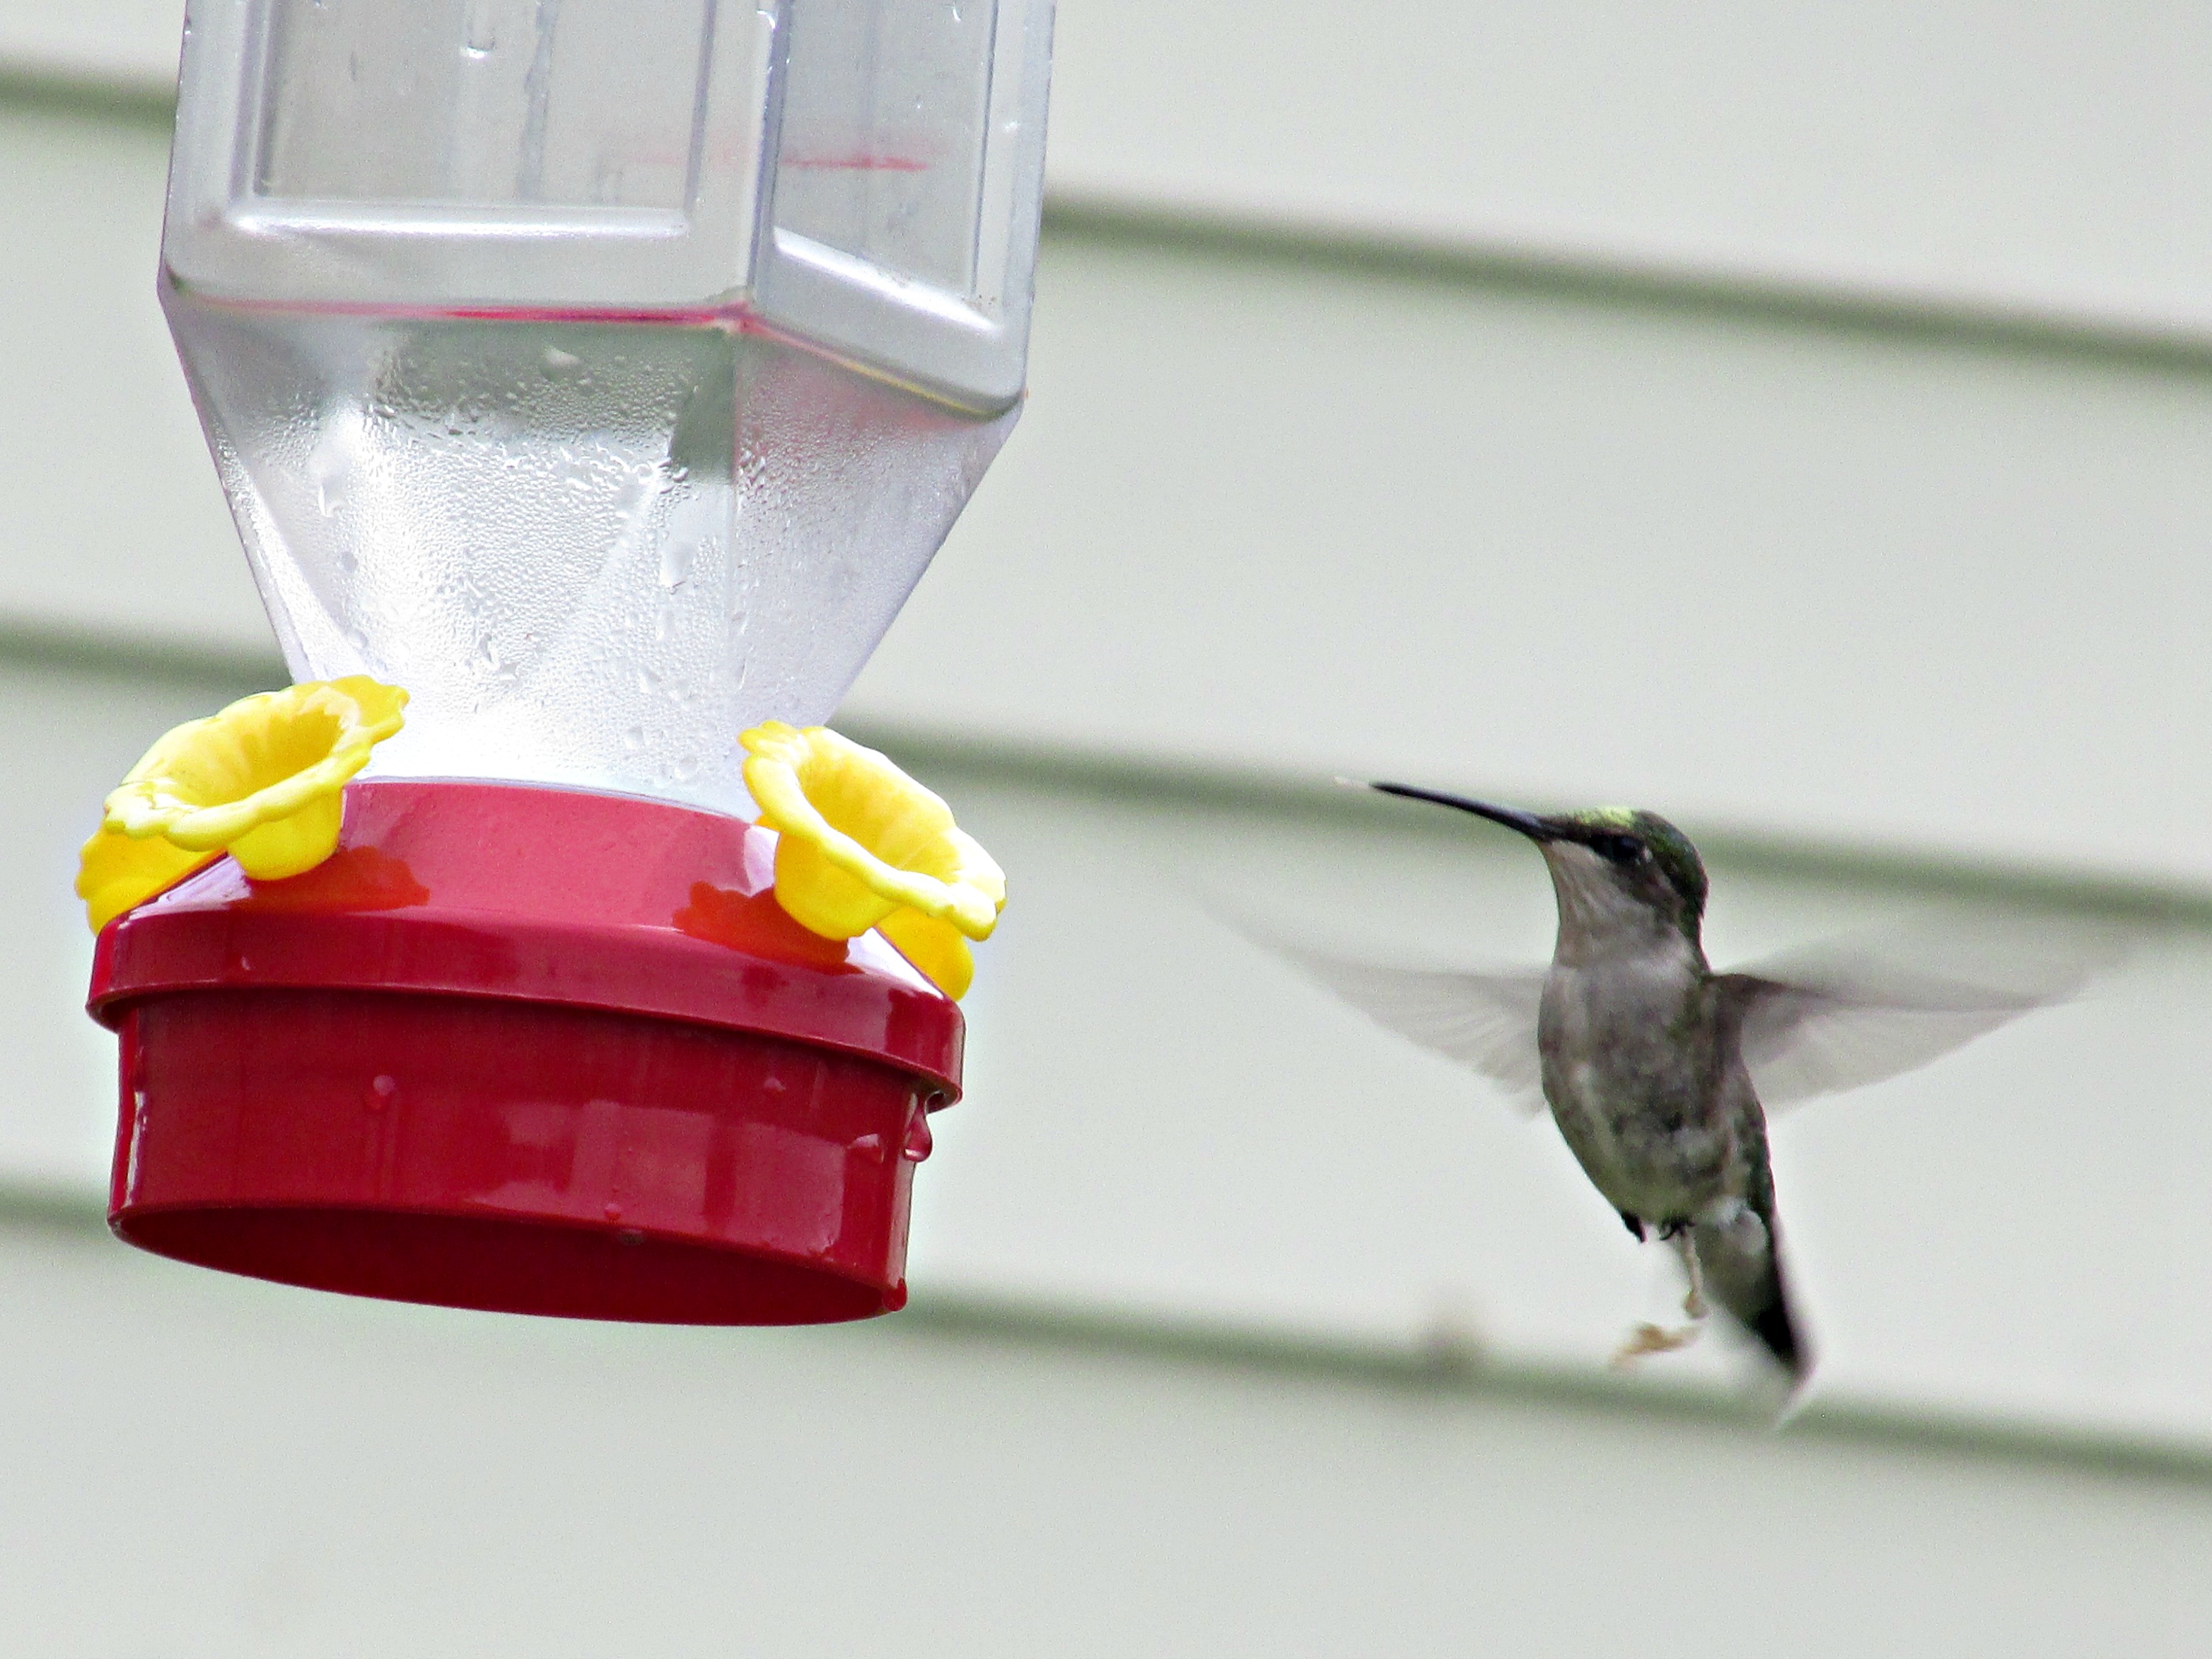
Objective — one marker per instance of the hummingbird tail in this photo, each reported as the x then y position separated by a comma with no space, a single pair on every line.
1778,1331
1750,1285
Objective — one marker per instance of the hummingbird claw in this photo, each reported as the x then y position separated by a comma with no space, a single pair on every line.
1647,1339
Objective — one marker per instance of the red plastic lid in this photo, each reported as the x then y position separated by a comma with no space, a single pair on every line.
538,894
524,1049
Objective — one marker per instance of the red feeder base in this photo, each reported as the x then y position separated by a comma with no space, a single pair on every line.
529,1050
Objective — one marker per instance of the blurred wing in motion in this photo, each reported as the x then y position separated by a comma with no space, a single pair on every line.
1818,1023
1485,1021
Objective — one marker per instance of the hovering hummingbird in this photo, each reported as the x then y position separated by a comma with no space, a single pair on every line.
1655,1066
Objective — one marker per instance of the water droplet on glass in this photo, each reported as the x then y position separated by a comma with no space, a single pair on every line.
918,1142
614,1212
871,1147
676,558
481,35
500,519
382,1091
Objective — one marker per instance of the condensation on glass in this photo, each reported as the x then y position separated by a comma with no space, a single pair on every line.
605,374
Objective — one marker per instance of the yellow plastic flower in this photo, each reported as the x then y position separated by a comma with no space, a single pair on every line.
263,780
116,873
861,845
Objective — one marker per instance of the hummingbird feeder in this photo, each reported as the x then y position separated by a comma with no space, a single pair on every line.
604,375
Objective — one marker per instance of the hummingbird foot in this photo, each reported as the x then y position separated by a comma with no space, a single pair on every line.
1648,1339
1695,1304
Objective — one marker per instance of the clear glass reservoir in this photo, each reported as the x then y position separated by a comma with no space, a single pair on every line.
604,371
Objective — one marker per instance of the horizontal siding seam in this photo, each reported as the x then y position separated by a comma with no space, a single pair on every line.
1447,1371
1172,783
2144,336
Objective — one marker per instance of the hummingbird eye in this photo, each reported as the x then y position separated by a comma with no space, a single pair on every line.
1625,850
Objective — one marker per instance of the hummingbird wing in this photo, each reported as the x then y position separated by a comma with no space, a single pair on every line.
1820,1022
1483,1020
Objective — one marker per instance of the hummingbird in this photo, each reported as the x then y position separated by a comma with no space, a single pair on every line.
1658,1070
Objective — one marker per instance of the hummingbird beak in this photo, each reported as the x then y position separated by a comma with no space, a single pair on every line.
1537,830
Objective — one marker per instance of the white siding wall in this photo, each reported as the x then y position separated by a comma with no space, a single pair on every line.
2039,160
1804,581
256,1472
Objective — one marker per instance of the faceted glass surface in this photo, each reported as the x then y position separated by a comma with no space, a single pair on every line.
606,374
593,552
580,103
884,117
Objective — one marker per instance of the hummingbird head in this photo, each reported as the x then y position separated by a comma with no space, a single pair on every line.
1616,869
